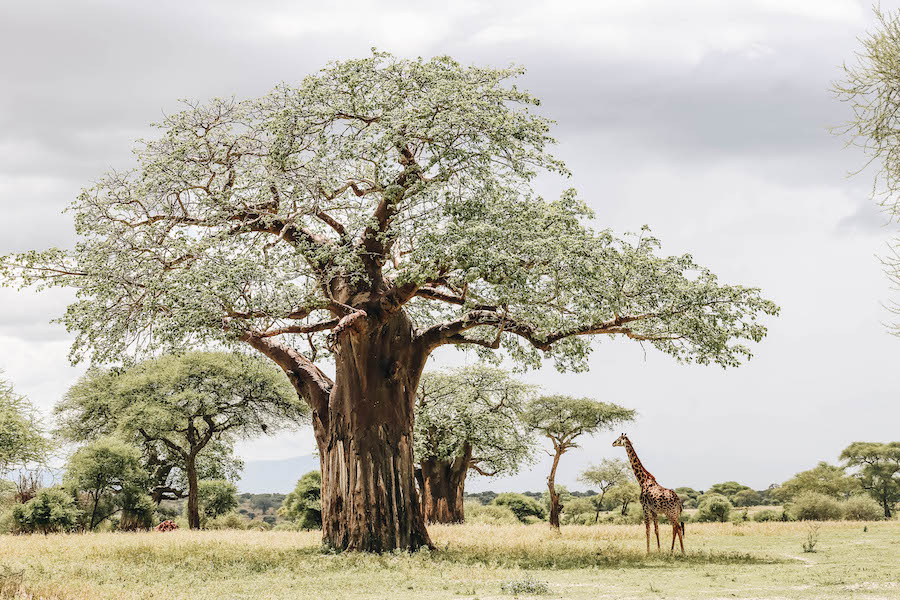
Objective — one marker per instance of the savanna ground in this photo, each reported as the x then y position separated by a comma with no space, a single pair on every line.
751,560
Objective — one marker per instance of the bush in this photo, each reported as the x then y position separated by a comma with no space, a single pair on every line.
521,505
138,510
259,526
813,506
52,509
303,506
490,514
713,507
216,497
230,520
769,515
861,508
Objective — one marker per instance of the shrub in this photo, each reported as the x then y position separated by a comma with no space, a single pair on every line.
769,515
138,510
259,525
491,514
52,509
231,520
813,506
522,506
861,508
713,507
216,497
303,506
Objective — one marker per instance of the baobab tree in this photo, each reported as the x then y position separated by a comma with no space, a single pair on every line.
467,419
377,211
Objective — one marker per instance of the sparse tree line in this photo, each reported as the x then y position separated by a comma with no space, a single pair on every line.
155,441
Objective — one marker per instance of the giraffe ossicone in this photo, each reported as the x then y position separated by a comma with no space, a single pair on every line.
655,499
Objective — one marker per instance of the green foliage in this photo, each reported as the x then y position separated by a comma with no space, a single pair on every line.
176,406
22,441
689,496
51,510
813,506
624,496
731,490
490,514
747,497
878,471
475,411
579,511
713,507
824,479
770,515
138,510
216,497
241,214
527,586
303,506
229,520
564,418
521,505
861,508
108,471
606,475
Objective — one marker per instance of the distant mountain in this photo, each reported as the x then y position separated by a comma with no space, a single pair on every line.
275,476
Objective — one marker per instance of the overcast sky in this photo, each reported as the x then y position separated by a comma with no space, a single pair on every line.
706,120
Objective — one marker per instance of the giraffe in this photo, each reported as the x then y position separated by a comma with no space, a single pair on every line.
655,499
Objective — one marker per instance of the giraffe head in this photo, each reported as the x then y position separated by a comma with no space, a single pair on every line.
621,441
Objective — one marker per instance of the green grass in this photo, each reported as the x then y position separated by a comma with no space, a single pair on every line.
755,560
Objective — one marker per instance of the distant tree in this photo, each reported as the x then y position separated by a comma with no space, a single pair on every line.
87,413
813,506
608,474
216,497
824,478
521,505
185,403
623,495
714,507
22,441
563,419
878,471
467,419
106,470
304,505
728,489
869,87
689,496
747,497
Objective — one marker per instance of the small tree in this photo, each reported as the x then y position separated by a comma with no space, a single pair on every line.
186,403
468,418
216,497
878,471
563,419
304,505
521,505
605,476
689,496
104,470
21,438
623,495
714,507
824,478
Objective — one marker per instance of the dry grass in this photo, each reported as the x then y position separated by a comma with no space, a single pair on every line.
754,560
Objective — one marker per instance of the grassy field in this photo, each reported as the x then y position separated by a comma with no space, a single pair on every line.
754,560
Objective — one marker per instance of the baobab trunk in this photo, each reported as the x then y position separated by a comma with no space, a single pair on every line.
369,497
443,487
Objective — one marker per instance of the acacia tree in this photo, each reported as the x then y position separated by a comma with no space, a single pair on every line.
467,418
186,403
610,473
879,470
377,211
22,440
563,419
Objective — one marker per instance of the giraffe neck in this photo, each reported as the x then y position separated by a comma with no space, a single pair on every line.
643,476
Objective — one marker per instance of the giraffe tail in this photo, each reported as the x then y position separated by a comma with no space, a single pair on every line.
682,528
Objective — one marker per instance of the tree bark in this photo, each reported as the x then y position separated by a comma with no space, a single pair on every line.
193,505
443,488
369,497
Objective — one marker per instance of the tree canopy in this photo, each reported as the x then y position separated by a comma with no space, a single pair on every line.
183,405
474,411
22,440
830,480
878,470
605,476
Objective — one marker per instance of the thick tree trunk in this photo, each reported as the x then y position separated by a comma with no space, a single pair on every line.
193,504
369,497
443,487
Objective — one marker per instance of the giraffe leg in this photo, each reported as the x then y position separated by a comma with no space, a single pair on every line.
674,533
681,536
656,530
647,528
